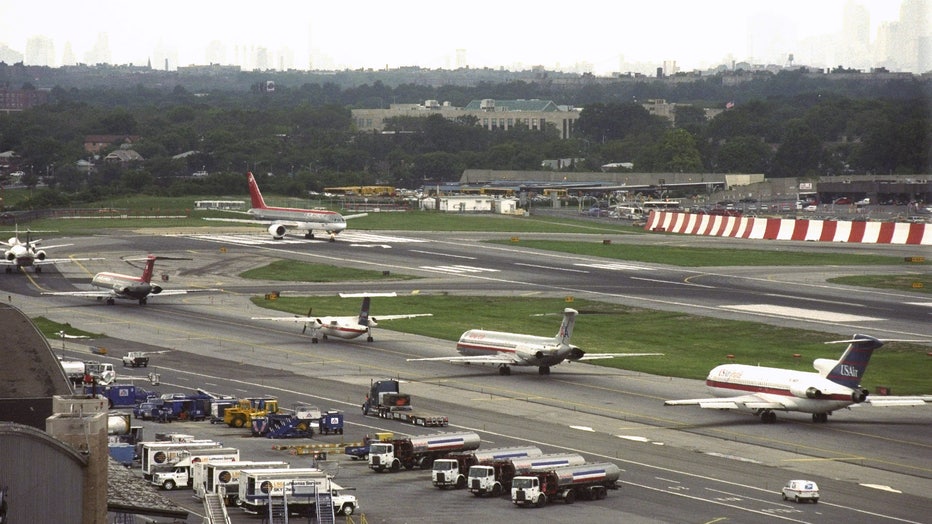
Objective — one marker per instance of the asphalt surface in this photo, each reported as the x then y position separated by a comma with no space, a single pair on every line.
679,464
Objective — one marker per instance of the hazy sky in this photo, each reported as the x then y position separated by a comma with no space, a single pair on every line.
376,34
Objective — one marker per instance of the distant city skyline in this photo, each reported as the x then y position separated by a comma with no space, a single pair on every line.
582,37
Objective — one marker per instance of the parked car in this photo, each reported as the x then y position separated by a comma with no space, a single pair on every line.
800,490
842,201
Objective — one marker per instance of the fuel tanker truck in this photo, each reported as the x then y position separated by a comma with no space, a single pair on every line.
494,477
586,482
451,470
420,451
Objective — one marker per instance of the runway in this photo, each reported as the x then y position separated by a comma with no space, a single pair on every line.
679,464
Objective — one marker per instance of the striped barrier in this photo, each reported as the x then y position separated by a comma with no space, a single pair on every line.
790,229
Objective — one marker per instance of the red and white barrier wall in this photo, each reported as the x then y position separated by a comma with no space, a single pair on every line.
790,229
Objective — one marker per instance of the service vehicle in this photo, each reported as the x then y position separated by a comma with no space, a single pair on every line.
586,482
331,422
420,451
362,451
159,455
97,372
300,488
136,359
494,477
800,490
451,471
300,423
386,400
181,474
241,415
121,395
223,477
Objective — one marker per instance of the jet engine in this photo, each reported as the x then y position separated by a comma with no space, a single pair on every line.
277,231
859,395
575,354
10,256
155,290
40,255
804,392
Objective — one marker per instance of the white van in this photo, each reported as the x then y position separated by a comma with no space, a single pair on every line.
800,490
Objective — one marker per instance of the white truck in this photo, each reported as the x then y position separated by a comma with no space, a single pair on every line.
223,477
419,451
586,482
136,359
181,474
494,477
102,372
297,486
160,455
451,470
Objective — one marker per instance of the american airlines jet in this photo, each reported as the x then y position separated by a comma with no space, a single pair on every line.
478,346
763,390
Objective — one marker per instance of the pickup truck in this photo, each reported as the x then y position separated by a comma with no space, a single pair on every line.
136,359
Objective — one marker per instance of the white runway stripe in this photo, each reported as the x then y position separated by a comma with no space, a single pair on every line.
613,266
459,269
249,239
795,312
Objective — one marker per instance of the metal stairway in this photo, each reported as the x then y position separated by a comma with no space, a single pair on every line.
278,511
215,509
324,508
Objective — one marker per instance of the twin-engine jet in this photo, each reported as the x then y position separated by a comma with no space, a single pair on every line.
478,346
19,254
115,286
763,390
280,219
348,327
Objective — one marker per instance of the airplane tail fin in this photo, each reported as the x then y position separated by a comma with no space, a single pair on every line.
566,327
150,266
364,312
257,200
850,368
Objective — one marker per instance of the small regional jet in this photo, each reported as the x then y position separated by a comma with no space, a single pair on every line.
478,346
344,327
21,254
127,287
280,219
763,390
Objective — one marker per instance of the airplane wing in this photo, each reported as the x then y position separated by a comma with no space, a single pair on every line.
49,261
104,293
597,356
380,318
479,359
287,223
740,402
890,401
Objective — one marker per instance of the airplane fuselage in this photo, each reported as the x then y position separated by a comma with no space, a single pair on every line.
344,331
527,350
306,219
807,392
124,286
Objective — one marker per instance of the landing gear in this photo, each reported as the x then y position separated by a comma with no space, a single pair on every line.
38,269
309,235
142,301
820,418
369,338
768,417
504,370
111,301
543,370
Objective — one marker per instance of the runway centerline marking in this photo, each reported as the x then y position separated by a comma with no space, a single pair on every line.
552,267
795,312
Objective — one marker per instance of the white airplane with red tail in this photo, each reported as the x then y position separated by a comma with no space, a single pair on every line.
764,390
346,327
19,254
478,346
280,219
128,287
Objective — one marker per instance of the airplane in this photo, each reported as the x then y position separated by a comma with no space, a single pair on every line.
127,287
280,219
21,254
348,327
478,346
763,390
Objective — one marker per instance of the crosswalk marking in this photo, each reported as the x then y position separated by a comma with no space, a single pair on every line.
459,269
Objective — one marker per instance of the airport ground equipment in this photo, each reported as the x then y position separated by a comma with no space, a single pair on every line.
88,372
159,455
386,400
494,477
241,415
331,422
301,490
180,474
361,451
585,482
452,470
419,451
300,423
222,478
121,395
136,359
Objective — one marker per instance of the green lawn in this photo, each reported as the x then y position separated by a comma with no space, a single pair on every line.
692,345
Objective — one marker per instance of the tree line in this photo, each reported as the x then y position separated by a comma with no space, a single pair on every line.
306,138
